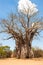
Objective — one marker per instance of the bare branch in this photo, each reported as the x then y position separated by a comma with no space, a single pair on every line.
8,38
22,21
4,31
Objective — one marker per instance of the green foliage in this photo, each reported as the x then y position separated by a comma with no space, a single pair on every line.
5,52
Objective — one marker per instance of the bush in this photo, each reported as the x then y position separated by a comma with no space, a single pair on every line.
8,54
5,52
38,53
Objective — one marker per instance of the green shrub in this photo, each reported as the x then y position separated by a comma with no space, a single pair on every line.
5,52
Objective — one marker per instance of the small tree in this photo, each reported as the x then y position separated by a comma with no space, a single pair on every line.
5,52
18,28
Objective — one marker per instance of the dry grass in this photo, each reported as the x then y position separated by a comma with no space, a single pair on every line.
13,61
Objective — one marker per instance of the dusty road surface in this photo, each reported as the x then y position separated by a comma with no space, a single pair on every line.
13,61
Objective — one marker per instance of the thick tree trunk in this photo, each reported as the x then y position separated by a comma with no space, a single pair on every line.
24,51
18,50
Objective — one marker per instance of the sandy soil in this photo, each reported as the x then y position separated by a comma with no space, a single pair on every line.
13,61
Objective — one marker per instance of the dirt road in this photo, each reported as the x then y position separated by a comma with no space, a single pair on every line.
12,61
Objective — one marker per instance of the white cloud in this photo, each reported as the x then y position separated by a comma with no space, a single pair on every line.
27,7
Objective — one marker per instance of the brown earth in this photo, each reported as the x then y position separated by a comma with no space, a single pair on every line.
13,61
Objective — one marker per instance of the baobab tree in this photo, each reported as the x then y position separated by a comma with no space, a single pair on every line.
20,30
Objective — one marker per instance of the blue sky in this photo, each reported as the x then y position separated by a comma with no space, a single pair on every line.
8,6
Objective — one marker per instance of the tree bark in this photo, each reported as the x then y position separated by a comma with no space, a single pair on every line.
24,51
